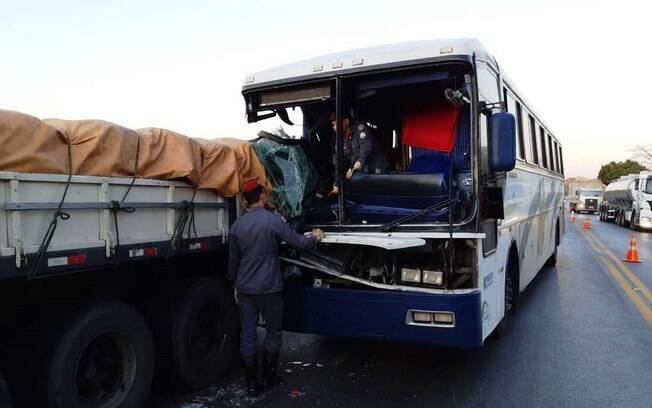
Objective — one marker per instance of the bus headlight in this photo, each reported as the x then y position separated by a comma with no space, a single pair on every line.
433,277
411,275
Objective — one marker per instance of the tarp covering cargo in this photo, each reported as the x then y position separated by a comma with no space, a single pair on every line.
219,168
249,167
99,148
291,174
30,146
167,155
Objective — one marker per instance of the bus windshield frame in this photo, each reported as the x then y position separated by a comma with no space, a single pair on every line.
339,95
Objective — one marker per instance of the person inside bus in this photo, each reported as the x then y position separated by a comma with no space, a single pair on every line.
360,151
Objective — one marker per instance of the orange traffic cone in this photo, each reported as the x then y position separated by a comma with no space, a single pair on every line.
587,223
632,252
573,217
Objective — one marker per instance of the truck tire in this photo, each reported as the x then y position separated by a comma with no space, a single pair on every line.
5,397
201,339
104,358
632,224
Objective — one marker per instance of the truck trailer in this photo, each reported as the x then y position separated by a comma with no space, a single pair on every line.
628,201
105,278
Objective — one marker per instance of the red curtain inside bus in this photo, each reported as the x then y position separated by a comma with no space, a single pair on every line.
431,126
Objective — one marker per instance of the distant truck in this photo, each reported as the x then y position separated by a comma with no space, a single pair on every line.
585,199
628,201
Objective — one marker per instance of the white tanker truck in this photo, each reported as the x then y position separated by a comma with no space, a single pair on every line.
628,201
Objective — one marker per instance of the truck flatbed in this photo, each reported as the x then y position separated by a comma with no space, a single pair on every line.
105,221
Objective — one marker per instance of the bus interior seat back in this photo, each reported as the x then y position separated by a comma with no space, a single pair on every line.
433,149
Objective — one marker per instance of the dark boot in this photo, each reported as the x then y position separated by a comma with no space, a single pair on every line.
270,366
251,376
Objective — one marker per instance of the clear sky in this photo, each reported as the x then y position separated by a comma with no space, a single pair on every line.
584,65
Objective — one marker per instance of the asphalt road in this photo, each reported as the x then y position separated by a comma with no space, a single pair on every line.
582,338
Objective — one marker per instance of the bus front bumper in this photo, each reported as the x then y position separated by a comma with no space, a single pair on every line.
383,315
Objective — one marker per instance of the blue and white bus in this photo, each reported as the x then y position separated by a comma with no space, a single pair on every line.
438,247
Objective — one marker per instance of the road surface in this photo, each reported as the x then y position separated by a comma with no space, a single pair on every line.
582,338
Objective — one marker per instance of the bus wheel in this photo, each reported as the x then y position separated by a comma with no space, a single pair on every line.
511,291
5,398
552,261
201,337
104,358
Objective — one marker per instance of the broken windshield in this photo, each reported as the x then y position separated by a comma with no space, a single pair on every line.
405,148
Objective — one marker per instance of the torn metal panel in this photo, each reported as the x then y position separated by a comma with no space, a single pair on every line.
376,240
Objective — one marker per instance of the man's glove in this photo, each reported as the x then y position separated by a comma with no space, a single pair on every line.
318,234
357,165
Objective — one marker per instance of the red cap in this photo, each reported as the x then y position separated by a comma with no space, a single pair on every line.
250,185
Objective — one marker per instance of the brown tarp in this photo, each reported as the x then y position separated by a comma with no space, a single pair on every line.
30,146
99,148
219,169
167,155
249,167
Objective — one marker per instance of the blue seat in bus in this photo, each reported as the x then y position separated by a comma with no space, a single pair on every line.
382,197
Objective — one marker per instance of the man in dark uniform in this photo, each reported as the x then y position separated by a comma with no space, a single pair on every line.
254,266
360,151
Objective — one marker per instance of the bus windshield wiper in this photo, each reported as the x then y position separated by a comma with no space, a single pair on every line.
391,225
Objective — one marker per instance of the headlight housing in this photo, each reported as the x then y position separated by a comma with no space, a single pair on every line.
411,275
415,276
431,277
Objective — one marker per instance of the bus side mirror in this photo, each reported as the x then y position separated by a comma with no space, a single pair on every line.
502,142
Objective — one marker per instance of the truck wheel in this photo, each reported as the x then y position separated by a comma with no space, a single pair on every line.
632,224
5,398
104,358
202,338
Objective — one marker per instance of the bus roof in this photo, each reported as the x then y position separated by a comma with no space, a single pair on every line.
363,58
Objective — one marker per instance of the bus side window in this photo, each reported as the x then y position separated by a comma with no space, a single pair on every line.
514,107
542,147
519,131
550,156
533,138
561,161
487,84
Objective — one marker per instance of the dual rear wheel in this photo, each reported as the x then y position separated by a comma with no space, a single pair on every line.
104,356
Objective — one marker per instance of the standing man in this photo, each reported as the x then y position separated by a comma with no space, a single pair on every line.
254,266
360,150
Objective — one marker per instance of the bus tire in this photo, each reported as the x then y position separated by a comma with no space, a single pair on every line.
201,338
104,357
552,261
511,292
5,397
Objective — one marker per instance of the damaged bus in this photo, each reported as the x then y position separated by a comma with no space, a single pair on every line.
438,248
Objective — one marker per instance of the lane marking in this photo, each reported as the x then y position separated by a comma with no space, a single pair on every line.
619,276
623,268
632,294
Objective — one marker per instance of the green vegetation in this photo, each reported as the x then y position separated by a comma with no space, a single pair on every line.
613,170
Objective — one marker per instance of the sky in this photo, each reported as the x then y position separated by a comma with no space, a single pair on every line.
583,65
